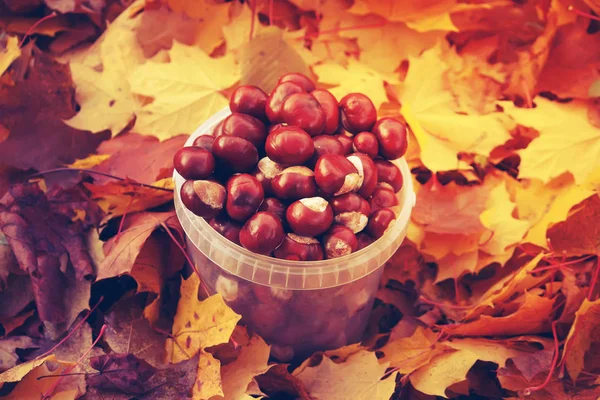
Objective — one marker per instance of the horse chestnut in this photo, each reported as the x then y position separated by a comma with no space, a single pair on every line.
262,233
294,183
302,80
194,163
235,153
366,142
325,144
226,227
204,142
289,145
203,198
299,248
339,241
383,197
248,99
392,137
364,240
351,210
245,126
330,108
275,206
367,170
277,97
304,111
336,175
310,216
265,171
358,113
389,173
380,221
346,142
244,195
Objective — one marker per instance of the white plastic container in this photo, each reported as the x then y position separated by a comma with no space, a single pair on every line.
297,307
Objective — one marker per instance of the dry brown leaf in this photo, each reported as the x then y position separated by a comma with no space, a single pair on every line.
584,331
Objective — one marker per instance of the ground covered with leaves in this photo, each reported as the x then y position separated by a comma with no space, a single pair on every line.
494,294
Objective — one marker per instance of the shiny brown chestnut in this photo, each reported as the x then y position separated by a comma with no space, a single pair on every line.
346,142
244,195
226,227
218,129
339,241
299,248
336,175
294,183
310,216
304,111
325,144
248,99
367,170
382,197
364,240
245,126
289,145
358,113
380,221
265,171
277,97
235,153
262,233
366,142
194,163
392,137
204,198
389,173
204,142
351,210
300,79
275,206
330,107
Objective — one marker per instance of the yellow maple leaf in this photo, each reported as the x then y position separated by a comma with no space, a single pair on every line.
238,375
430,110
505,230
89,162
10,53
237,31
356,77
451,367
208,378
185,91
360,375
422,15
198,324
566,134
582,334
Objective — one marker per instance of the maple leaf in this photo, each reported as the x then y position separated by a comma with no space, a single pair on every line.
48,244
183,96
449,368
571,68
208,381
237,31
356,77
8,350
579,234
239,375
122,372
430,111
198,324
159,28
422,15
552,153
278,380
29,385
266,57
122,251
582,334
35,104
9,53
360,375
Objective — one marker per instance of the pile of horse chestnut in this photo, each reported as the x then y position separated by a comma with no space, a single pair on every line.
296,174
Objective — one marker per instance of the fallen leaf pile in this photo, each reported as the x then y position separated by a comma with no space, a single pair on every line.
495,292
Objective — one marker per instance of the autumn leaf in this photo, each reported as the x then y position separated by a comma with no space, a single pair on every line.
583,333
181,97
9,53
198,324
122,372
360,375
208,382
9,346
553,152
430,111
122,251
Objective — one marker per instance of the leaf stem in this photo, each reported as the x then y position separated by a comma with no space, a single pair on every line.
32,27
529,390
92,172
584,14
